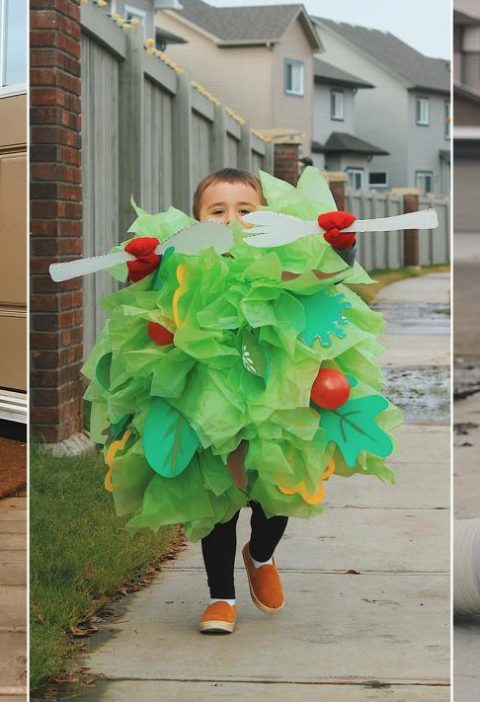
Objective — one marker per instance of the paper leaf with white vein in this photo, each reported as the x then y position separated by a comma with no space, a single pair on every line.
353,428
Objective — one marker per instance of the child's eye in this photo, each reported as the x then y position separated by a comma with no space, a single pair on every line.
245,211
218,212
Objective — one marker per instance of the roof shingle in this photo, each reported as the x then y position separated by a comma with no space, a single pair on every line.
326,73
417,70
344,143
249,24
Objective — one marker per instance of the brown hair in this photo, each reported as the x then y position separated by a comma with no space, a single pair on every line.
226,175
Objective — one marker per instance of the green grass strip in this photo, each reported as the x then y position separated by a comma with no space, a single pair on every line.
81,553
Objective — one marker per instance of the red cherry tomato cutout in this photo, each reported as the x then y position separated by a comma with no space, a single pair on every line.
330,389
159,334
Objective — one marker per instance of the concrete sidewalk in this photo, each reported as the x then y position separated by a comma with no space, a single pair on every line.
367,586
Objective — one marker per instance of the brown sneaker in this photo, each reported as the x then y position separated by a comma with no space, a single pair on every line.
218,618
265,584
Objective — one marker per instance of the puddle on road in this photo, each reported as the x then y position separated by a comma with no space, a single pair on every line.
414,318
423,394
466,379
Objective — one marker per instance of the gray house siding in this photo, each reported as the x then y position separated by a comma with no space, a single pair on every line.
381,114
385,116
423,143
323,124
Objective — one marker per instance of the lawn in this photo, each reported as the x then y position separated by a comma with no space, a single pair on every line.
80,554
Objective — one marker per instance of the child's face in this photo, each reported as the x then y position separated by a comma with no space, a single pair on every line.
224,202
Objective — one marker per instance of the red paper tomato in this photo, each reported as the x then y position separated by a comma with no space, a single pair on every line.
330,389
159,334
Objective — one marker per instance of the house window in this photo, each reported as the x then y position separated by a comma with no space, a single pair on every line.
133,13
424,181
336,105
13,45
294,77
378,179
355,178
421,111
448,119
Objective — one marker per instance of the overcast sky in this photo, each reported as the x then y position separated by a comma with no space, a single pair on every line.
424,24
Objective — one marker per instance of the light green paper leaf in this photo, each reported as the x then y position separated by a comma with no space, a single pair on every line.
169,441
354,429
314,186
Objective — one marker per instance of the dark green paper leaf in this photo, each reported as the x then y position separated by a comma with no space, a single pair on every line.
169,442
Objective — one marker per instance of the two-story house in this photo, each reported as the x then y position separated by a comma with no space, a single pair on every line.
408,112
336,146
466,65
13,209
258,60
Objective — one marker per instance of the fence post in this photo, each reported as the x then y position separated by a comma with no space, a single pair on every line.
219,138
245,148
411,245
131,125
269,157
336,181
182,144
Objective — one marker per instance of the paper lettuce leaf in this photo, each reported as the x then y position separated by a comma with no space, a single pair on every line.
353,428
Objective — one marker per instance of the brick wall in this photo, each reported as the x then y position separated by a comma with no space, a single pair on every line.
56,218
285,162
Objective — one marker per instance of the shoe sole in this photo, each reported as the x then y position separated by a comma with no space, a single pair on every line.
216,627
256,601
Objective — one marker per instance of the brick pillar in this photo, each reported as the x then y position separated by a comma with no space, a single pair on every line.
411,244
336,181
56,333
285,162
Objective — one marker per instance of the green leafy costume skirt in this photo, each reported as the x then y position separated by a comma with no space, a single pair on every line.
251,332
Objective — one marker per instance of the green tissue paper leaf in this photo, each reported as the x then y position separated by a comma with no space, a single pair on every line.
169,442
354,429
314,186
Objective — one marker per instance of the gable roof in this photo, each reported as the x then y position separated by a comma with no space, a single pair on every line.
326,73
247,26
413,68
344,143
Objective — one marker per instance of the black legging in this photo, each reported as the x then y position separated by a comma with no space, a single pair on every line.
220,545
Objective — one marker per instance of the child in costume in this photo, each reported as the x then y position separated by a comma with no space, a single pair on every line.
226,196
222,381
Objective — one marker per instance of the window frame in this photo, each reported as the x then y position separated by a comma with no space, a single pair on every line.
138,14
14,88
333,92
425,100
356,170
299,64
378,185
423,173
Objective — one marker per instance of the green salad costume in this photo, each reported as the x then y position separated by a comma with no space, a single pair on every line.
211,350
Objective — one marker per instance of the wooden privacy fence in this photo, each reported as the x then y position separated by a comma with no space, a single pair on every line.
378,250
147,131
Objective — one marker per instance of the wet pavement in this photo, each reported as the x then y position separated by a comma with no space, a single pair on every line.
422,392
466,442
